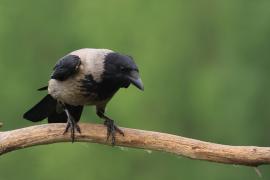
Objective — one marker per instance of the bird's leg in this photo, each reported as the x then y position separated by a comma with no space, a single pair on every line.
111,127
71,124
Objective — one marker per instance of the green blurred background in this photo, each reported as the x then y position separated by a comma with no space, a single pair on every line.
205,66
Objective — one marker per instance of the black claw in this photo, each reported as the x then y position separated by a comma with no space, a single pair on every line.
112,129
78,128
72,133
73,126
67,128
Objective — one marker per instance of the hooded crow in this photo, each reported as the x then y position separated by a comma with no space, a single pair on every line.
85,77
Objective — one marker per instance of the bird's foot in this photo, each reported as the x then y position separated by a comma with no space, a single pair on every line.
112,129
73,126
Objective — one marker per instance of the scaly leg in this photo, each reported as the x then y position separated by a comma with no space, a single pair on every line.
111,127
71,124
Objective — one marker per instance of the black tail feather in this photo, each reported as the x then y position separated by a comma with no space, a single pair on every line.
41,110
49,108
43,88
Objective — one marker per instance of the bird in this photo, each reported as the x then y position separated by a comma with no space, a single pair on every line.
85,77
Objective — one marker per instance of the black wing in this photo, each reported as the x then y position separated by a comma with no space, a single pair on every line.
66,67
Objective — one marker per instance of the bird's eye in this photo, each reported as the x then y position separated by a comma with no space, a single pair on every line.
123,69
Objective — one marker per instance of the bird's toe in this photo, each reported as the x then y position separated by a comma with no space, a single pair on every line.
111,130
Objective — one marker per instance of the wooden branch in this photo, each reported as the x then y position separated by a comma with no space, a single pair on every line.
191,148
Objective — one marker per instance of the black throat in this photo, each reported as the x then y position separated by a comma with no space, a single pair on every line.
101,90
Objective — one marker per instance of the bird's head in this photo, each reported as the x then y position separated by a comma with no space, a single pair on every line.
122,69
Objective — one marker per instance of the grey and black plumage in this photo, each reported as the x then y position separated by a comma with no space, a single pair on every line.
85,77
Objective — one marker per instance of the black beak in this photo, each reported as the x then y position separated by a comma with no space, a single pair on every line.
135,79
